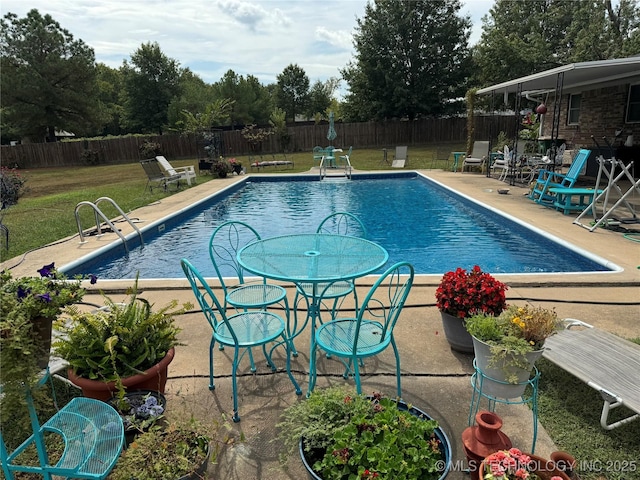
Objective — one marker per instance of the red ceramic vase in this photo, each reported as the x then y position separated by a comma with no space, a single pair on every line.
483,439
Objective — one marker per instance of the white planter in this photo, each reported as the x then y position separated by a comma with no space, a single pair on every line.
494,378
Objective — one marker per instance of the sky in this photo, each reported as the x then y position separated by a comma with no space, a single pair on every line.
210,37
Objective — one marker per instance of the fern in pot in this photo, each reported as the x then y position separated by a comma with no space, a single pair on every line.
119,346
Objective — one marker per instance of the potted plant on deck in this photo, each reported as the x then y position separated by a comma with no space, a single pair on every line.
460,294
507,346
180,451
342,435
120,346
39,300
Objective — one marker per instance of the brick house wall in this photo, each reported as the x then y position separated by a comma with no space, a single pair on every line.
602,113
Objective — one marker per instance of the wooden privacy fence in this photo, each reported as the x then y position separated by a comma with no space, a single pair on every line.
303,138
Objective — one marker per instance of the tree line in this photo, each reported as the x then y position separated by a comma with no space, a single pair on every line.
412,60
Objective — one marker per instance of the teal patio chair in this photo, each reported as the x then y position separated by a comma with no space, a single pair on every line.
242,331
371,330
224,244
339,223
549,179
92,433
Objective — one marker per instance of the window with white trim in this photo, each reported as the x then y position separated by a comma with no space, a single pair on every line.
573,115
633,104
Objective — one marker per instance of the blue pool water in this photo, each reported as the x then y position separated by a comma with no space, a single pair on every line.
414,218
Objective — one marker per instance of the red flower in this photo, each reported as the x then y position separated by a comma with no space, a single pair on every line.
462,293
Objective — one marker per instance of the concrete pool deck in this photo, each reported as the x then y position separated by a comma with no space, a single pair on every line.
435,378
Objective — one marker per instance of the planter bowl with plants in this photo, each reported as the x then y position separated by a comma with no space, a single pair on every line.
460,294
182,450
119,346
341,435
508,345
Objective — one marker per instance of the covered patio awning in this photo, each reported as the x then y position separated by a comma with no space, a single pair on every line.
575,77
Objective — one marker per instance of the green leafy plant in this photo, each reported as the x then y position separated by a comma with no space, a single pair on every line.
462,293
222,167
12,187
515,332
119,340
149,149
349,436
178,450
43,296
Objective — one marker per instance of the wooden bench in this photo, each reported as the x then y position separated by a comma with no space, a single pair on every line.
564,198
606,362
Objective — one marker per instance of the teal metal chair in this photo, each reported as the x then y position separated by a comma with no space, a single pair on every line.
242,331
224,244
339,223
549,179
371,330
93,436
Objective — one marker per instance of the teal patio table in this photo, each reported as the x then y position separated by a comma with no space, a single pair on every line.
312,258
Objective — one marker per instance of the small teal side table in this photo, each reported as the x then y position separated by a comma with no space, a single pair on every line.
456,158
530,396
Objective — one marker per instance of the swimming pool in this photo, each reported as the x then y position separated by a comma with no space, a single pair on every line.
413,217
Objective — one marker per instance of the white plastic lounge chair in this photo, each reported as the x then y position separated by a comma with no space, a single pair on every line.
187,172
477,157
606,362
502,164
400,157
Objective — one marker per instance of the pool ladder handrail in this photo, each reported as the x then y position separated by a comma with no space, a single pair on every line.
98,213
323,169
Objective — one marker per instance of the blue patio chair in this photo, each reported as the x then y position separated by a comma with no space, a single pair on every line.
224,244
371,330
339,223
242,331
549,179
92,433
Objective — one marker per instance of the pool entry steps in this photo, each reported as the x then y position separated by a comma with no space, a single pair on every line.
98,214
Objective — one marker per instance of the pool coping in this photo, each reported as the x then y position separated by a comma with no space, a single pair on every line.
603,243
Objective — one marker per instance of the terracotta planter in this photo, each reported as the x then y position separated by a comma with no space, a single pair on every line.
456,333
483,439
155,378
564,461
495,381
545,469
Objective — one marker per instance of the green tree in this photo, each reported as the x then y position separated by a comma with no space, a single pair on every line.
109,81
151,81
195,95
523,37
48,78
292,92
411,59
321,94
215,114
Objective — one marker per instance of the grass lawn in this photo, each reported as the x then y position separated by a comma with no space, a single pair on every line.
569,409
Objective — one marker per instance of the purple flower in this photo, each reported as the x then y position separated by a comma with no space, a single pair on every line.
44,297
93,279
48,270
23,292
